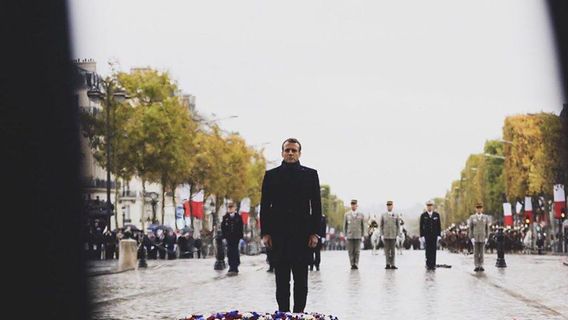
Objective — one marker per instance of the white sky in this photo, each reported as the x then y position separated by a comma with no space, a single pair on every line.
387,97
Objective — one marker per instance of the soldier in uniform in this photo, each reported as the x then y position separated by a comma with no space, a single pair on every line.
390,228
478,231
232,227
354,226
430,230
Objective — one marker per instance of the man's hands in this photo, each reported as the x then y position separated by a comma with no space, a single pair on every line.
313,241
267,240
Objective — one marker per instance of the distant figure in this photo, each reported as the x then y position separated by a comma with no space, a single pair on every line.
390,228
375,235
354,226
478,231
316,257
232,230
184,246
430,230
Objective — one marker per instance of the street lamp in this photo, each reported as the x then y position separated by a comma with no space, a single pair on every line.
220,253
153,202
106,91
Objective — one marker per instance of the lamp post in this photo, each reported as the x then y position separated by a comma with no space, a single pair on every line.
107,92
153,202
220,252
500,237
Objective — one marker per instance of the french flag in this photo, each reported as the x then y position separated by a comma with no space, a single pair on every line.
528,209
245,210
507,214
196,204
559,200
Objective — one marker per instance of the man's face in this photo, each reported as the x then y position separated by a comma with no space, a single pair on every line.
231,208
291,152
429,207
389,207
478,209
353,206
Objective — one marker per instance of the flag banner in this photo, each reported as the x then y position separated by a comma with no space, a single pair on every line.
196,204
518,207
528,209
559,200
180,212
245,210
184,191
507,214
186,209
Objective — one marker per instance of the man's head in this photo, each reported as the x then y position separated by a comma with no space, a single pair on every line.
291,150
231,207
430,205
478,208
389,205
353,205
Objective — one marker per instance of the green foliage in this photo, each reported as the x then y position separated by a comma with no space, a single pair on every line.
534,160
333,208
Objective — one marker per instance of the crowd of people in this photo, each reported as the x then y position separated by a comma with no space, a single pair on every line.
159,242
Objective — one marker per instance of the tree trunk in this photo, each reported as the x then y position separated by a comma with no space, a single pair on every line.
116,194
143,212
163,204
190,213
163,200
175,207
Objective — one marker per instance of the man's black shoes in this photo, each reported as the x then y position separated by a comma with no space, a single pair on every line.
354,267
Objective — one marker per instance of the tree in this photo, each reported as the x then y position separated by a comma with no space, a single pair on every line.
157,129
534,158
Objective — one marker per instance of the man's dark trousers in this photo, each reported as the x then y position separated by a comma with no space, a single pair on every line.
300,273
316,255
233,255
431,244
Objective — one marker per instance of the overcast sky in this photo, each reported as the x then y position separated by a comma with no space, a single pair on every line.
387,97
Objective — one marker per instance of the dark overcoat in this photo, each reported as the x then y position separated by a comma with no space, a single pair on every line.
290,211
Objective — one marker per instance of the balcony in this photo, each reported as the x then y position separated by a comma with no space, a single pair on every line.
129,195
97,183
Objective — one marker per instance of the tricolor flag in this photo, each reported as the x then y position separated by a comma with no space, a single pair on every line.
507,214
245,210
528,210
559,200
196,204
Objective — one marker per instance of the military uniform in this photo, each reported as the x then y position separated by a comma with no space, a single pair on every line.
232,228
354,226
430,229
478,232
390,228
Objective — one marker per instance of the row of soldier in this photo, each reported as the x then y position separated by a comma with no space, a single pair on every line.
389,230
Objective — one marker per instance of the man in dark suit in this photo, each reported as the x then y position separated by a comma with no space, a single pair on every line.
430,229
232,230
290,213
